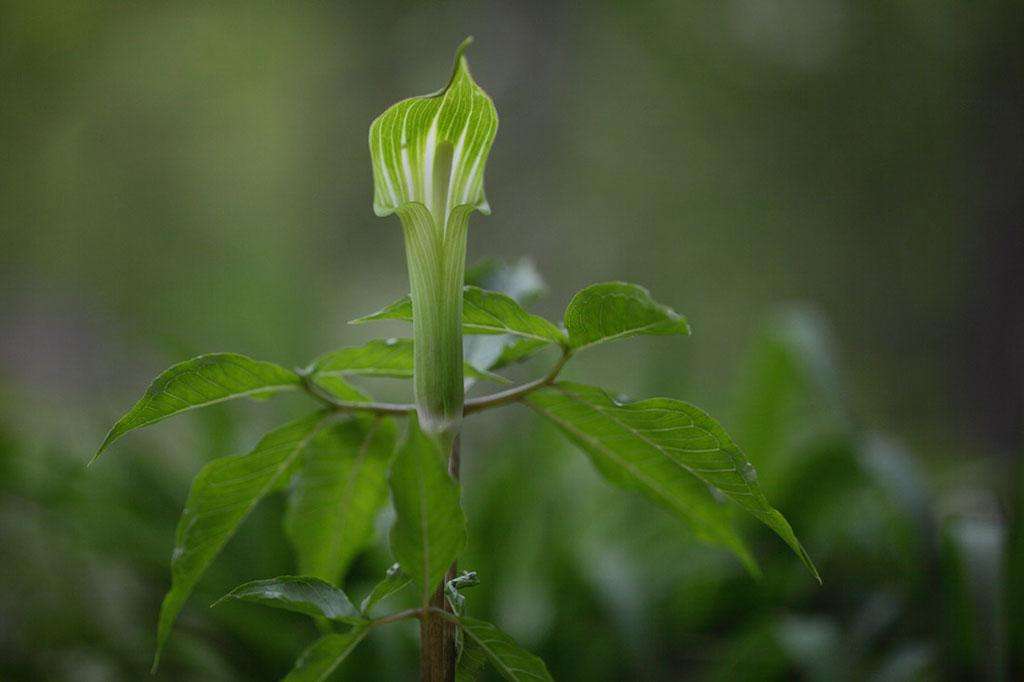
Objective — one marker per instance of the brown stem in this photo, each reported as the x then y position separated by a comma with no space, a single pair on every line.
437,634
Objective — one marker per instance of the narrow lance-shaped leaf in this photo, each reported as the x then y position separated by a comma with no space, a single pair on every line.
394,580
653,440
430,528
301,594
483,312
222,495
657,477
198,382
325,654
337,493
617,310
513,662
382,358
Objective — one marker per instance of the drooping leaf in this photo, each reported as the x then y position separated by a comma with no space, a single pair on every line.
430,528
336,494
222,495
483,312
325,654
432,149
394,580
512,661
381,357
492,312
617,310
198,382
651,442
301,594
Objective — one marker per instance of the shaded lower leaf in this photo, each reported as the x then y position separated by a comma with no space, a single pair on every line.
430,528
325,654
302,594
471,662
652,443
198,382
337,493
393,581
513,662
222,494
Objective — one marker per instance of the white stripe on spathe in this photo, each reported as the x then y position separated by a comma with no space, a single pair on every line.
404,144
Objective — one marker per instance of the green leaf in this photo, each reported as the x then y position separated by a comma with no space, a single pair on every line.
471,661
518,351
394,580
513,662
382,358
617,310
483,312
337,493
492,312
301,594
430,528
432,149
652,442
222,495
520,281
198,382
325,654
339,388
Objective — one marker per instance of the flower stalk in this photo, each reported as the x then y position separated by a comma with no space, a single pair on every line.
428,156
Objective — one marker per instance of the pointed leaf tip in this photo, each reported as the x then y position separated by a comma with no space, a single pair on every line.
201,381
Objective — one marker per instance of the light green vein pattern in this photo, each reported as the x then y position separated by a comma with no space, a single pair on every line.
483,312
430,528
513,662
301,594
652,441
222,495
337,493
198,382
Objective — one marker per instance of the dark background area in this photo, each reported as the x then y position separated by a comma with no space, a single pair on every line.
829,190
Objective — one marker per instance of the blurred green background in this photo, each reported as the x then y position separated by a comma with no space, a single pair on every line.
830,190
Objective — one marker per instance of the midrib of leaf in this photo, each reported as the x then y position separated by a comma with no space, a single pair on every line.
598,445
357,466
497,660
623,334
164,630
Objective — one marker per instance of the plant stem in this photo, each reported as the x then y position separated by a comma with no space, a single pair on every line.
517,392
470,406
437,635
